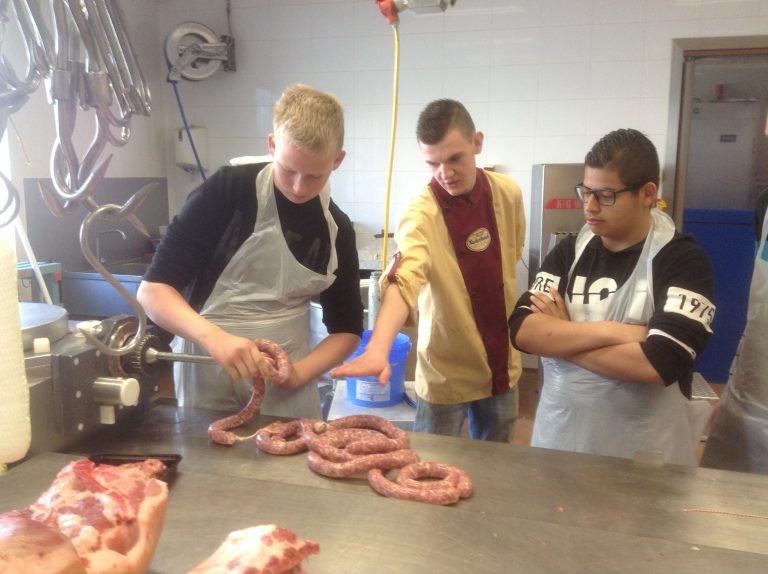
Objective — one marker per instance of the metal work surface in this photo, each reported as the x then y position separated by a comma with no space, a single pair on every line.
533,510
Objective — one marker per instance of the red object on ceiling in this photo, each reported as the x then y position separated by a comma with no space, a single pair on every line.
388,10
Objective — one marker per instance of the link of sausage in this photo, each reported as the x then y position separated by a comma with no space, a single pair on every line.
218,430
281,438
283,366
444,494
338,441
389,460
449,475
333,445
397,438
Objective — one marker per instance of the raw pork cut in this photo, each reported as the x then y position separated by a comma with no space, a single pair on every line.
30,547
267,549
112,514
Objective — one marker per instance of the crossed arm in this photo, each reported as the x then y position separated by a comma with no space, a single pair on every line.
608,348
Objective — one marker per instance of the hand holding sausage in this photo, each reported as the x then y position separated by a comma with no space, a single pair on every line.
279,369
240,357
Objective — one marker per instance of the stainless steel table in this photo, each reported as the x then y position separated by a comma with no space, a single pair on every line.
534,510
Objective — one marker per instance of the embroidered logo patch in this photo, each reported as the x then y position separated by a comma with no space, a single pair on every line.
479,240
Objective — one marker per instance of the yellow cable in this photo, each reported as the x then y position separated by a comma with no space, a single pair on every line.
391,148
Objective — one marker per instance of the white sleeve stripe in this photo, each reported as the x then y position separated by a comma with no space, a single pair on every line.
691,305
660,333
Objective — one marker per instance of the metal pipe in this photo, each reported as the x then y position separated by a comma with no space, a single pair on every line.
374,298
136,75
153,356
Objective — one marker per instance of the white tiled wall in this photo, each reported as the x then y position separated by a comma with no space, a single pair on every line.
543,78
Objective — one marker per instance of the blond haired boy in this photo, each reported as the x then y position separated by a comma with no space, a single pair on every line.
242,259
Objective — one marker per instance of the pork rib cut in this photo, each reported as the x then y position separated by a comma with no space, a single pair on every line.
266,549
113,515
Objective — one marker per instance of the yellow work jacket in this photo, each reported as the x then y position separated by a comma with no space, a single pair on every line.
452,365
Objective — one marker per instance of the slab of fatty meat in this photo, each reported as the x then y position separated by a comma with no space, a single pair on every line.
31,547
113,515
266,549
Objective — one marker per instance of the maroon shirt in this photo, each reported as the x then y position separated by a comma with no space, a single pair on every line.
471,225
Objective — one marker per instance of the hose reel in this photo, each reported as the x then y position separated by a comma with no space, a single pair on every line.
194,52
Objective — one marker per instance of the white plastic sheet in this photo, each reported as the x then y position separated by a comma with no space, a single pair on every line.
15,431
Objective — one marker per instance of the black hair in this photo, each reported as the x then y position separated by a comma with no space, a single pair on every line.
628,152
439,117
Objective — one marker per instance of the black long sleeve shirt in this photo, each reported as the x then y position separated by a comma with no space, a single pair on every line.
220,215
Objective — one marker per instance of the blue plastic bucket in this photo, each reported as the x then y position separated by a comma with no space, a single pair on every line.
366,391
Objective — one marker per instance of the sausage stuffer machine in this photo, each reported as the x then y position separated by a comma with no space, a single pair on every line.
75,389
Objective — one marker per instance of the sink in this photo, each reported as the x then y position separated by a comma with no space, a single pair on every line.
127,267
86,294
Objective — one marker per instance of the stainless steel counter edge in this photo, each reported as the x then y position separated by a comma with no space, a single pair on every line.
533,510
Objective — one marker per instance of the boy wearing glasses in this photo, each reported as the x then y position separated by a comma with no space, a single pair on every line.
618,314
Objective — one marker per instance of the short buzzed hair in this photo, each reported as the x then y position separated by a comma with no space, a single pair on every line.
630,154
311,119
441,116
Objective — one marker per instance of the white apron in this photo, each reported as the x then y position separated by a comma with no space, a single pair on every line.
582,411
738,438
263,292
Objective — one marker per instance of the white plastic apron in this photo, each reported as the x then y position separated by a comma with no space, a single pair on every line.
584,412
263,292
738,438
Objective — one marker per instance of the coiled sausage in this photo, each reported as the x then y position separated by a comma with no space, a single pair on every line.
281,438
409,475
388,460
333,443
396,438
454,483
348,437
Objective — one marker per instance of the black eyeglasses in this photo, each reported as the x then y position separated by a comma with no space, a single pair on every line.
604,196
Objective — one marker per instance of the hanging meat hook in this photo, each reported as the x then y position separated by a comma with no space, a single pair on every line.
109,81
10,208
113,212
